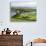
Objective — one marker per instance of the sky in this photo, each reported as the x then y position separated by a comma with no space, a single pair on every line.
31,30
23,4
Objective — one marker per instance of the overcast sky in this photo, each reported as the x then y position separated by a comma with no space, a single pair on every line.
30,30
23,4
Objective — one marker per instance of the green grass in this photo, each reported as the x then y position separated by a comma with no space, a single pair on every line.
24,17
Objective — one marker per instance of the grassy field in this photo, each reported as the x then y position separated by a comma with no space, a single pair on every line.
25,17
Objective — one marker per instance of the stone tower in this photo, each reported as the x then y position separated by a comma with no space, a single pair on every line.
11,40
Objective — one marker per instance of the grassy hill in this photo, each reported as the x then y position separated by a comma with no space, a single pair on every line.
25,15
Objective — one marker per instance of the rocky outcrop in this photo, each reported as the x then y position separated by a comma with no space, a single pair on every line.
39,40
